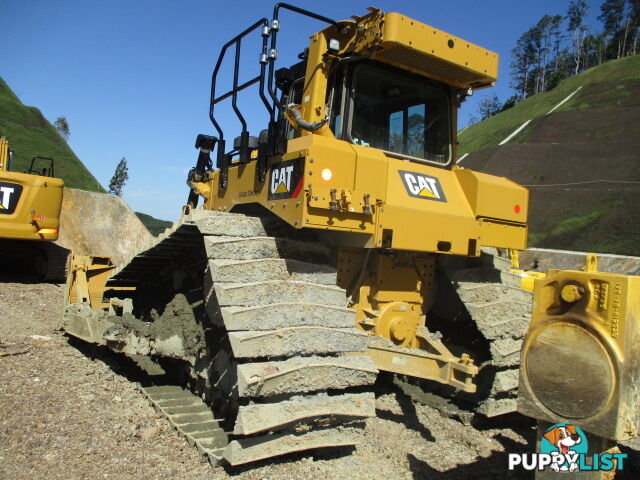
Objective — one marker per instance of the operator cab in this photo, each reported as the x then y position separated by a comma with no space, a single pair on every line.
382,81
375,105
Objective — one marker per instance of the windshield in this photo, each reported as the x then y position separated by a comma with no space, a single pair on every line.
401,115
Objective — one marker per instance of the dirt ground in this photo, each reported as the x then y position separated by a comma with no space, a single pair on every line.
68,413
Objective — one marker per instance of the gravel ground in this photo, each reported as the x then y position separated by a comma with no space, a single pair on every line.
66,414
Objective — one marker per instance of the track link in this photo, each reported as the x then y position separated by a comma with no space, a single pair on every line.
501,311
259,326
191,417
481,311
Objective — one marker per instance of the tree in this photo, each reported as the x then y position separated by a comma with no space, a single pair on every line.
543,45
594,49
633,24
509,103
489,106
62,126
535,57
119,178
563,68
556,36
523,56
575,15
612,16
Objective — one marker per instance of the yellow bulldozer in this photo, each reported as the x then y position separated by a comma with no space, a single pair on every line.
30,204
340,241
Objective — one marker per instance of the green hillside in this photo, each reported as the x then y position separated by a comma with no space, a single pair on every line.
30,135
154,225
623,76
581,163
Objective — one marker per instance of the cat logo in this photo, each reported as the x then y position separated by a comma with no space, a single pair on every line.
9,196
285,180
423,186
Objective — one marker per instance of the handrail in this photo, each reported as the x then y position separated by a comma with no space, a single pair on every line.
275,27
214,75
268,57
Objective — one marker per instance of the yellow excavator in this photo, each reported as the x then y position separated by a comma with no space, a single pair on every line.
30,204
340,241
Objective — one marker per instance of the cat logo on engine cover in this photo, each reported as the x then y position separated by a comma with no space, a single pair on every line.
285,179
9,196
423,186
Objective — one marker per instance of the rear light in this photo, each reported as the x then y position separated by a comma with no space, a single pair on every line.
47,231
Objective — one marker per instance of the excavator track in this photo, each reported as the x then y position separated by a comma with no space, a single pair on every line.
250,319
57,262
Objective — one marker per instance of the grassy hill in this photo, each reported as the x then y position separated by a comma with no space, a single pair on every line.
610,86
30,135
154,225
581,162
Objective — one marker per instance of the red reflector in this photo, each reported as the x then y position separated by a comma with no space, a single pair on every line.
516,208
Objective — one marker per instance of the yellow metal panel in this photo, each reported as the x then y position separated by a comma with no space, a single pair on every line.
494,197
421,222
581,354
502,235
414,45
244,188
336,156
371,172
349,171
364,191
315,86
40,202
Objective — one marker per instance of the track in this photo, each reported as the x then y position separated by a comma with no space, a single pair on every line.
502,313
484,311
251,320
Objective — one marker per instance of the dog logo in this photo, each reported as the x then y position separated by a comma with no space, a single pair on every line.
419,185
9,196
285,179
564,442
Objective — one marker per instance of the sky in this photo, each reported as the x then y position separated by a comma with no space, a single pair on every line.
133,77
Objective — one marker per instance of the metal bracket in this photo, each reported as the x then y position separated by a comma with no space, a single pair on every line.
441,367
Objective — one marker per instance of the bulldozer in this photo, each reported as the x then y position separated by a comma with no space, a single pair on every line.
341,241
30,204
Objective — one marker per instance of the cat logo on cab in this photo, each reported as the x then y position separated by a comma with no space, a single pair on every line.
423,186
285,179
9,196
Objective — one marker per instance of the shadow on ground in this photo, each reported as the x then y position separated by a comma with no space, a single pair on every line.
494,466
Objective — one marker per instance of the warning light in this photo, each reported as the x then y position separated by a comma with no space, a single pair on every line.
47,231
327,174
516,208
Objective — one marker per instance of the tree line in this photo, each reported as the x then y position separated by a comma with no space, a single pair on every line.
559,46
